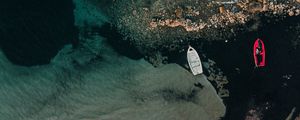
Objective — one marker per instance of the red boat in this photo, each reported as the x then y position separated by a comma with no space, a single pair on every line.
259,53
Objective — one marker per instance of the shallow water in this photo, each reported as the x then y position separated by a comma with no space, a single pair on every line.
39,39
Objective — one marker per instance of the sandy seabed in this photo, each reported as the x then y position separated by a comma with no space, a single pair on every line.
77,85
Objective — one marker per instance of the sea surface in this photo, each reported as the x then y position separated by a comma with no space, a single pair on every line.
276,85
33,32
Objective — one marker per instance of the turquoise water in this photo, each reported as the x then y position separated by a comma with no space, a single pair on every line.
59,64
49,79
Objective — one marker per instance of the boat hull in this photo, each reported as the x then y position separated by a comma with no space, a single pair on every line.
194,61
259,57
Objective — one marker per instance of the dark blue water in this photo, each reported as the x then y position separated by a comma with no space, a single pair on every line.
32,31
251,86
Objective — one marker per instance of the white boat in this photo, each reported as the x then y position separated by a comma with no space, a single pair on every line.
194,61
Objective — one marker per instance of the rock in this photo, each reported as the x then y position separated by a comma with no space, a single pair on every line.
222,9
291,13
178,12
188,22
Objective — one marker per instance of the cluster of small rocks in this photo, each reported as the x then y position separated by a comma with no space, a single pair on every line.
215,21
253,114
154,25
298,118
226,17
256,112
215,75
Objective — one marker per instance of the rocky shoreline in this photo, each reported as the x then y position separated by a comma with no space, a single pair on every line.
159,29
160,26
